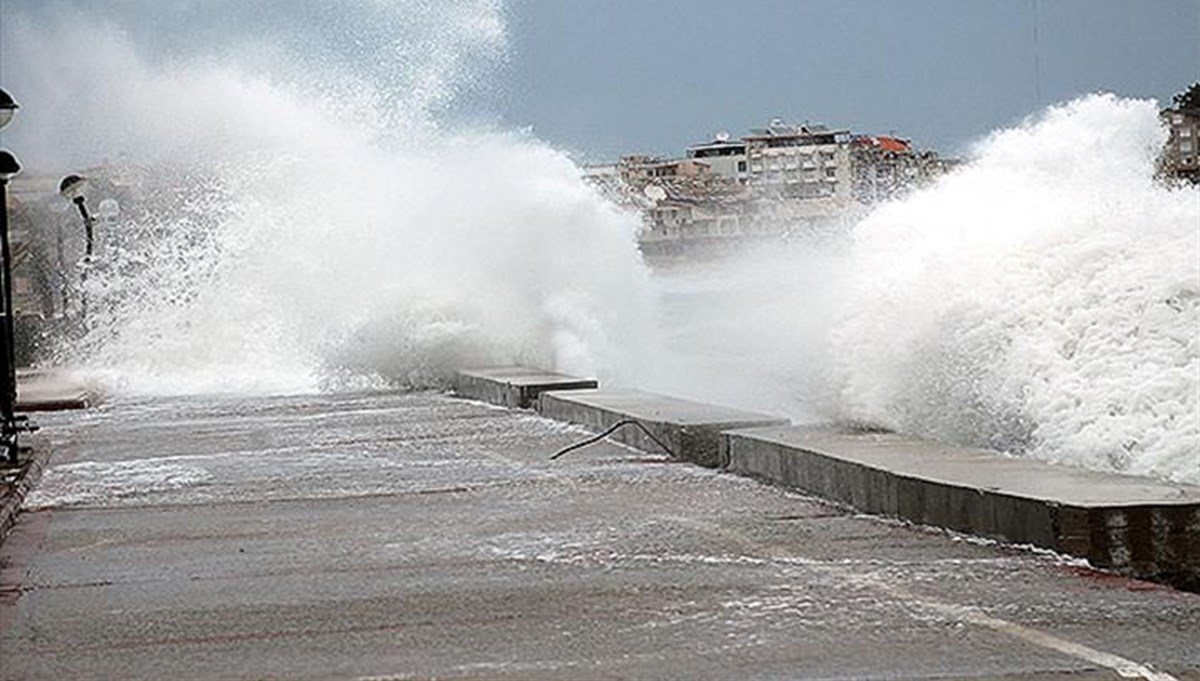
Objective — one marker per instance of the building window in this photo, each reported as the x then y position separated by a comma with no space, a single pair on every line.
1185,132
741,166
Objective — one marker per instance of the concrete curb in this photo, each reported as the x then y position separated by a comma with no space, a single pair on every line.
515,387
1131,525
53,390
691,430
16,482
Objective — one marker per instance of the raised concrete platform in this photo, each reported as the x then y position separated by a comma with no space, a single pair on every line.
1135,526
53,390
514,386
691,430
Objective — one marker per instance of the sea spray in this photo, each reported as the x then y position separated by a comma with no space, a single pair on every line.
304,216
1044,300
298,218
752,329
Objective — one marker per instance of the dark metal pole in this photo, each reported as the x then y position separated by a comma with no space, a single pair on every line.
71,188
88,223
8,368
62,274
10,424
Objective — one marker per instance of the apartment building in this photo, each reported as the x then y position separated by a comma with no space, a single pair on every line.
1181,158
799,162
776,181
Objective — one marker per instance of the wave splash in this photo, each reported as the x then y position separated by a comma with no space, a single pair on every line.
308,219
1044,300
298,217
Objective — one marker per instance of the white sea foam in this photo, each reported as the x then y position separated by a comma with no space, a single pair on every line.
1045,299
312,220
91,482
301,223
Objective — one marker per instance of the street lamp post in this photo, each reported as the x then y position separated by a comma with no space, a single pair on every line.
71,188
10,425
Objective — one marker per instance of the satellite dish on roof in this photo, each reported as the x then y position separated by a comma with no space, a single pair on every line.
721,136
654,192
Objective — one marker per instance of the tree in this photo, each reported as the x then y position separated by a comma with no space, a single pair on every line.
1188,99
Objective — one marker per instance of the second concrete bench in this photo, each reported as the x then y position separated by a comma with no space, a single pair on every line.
691,430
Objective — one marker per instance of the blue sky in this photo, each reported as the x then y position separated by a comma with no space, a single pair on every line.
603,77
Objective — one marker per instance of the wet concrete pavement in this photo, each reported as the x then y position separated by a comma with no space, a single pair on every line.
423,536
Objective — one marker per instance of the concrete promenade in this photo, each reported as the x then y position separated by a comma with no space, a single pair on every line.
397,536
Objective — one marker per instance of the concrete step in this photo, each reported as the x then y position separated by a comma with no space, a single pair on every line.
53,390
690,430
514,386
1136,526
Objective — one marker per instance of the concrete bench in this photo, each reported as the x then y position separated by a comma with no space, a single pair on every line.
1133,525
513,386
53,390
691,430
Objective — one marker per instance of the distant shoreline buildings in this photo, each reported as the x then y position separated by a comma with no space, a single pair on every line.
1181,158
772,182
